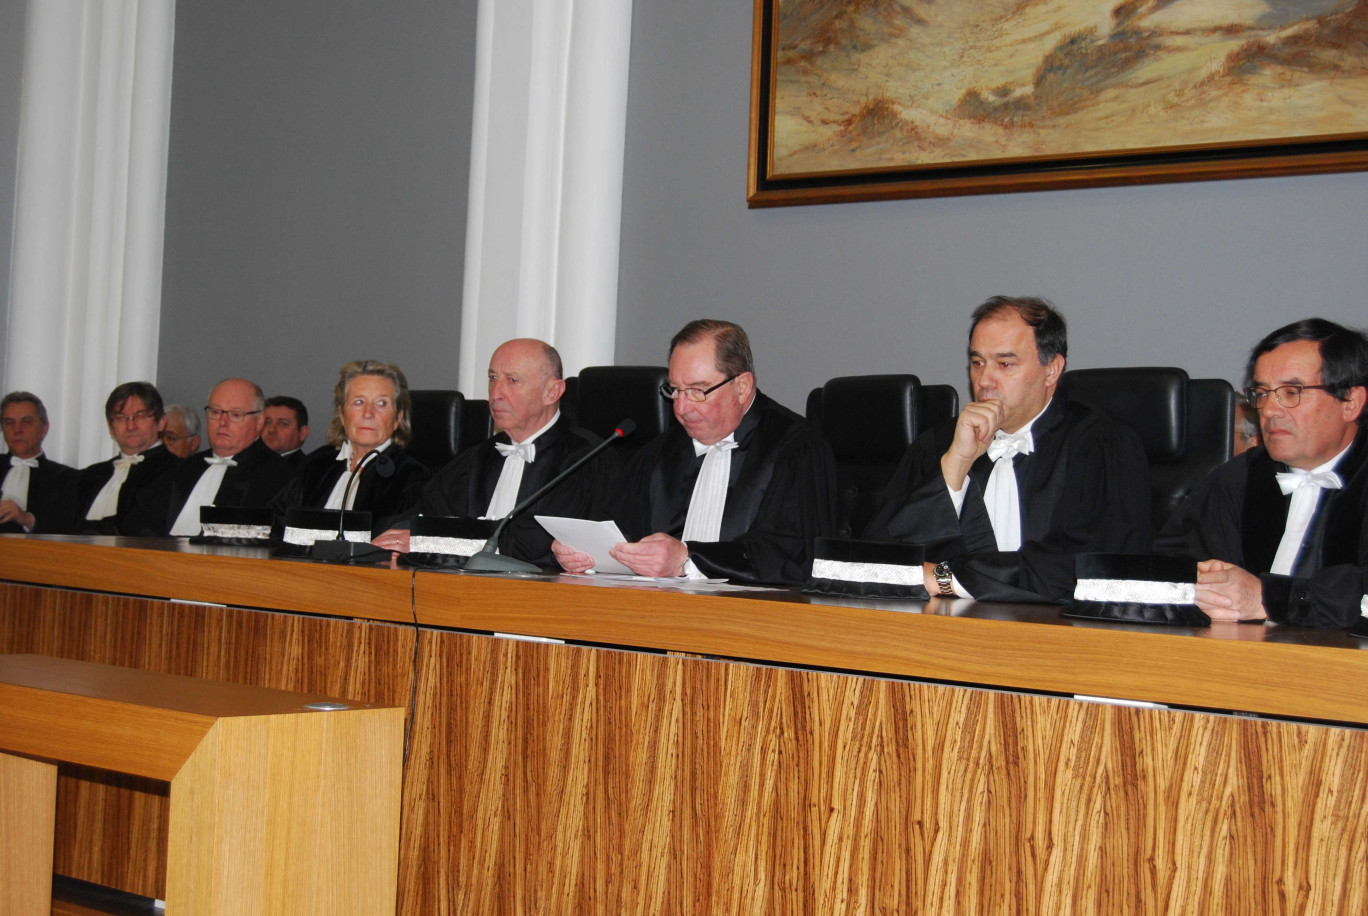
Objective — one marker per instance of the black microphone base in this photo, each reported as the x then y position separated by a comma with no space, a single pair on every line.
493,562
347,552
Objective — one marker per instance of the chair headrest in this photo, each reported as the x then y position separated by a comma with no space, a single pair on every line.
1150,400
870,418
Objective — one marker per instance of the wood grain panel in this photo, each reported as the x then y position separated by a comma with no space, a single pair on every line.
594,781
100,812
28,797
171,568
1263,669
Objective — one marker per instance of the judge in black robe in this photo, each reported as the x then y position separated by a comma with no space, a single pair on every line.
386,486
1085,488
253,482
780,496
1238,514
51,497
157,460
465,486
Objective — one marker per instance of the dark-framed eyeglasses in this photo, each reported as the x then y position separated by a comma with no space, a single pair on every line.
234,416
141,416
1287,395
692,394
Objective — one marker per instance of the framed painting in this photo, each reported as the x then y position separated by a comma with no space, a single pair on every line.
874,99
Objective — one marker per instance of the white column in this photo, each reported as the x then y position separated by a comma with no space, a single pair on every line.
90,195
545,180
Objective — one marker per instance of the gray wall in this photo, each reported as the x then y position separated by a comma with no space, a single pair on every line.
316,193
12,19
1180,274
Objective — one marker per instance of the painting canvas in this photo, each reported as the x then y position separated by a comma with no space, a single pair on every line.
866,98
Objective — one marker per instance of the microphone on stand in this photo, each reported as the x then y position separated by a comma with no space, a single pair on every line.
343,550
488,559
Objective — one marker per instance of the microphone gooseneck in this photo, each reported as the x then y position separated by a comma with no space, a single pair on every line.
488,559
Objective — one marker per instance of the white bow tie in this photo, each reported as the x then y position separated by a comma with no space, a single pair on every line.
215,459
1295,479
1021,443
23,462
527,451
127,461
724,445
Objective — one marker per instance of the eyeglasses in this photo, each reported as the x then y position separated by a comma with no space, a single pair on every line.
691,394
128,418
172,437
234,416
1287,395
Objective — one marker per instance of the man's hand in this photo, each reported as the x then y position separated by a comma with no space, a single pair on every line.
570,559
395,539
973,431
656,555
1227,592
10,512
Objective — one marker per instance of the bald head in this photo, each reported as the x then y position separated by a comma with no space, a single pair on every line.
525,386
234,397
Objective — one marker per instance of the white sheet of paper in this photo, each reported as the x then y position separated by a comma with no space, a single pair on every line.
593,538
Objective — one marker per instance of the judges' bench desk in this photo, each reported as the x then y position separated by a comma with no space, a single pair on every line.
758,752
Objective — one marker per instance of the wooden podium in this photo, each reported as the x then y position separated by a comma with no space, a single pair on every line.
276,805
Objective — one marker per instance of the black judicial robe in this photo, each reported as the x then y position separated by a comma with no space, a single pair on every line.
464,487
383,495
1085,489
1238,515
157,460
780,496
257,478
297,458
51,497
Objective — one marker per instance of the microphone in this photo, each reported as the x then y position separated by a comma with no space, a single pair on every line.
488,559
343,550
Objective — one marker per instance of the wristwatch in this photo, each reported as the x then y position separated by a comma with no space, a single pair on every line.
944,579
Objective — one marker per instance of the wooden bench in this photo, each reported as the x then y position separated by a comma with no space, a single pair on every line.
276,806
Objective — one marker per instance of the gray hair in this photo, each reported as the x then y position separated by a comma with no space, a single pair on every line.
189,417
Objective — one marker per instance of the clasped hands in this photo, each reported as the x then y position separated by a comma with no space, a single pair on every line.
656,555
10,512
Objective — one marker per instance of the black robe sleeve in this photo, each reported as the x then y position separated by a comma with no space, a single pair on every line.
1238,515
52,498
780,498
1085,489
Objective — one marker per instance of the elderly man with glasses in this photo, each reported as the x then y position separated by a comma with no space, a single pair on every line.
238,470
738,489
108,489
1279,530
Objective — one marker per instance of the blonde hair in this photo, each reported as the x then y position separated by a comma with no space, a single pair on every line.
403,433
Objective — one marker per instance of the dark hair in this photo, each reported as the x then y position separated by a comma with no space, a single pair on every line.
403,404
1051,331
25,397
1343,352
300,411
732,349
143,391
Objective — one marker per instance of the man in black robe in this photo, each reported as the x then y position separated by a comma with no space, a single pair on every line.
738,489
37,494
285,427
535,442
1282,529
1006,495
107,489
238,470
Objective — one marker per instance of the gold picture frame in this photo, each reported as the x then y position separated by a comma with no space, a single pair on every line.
878,99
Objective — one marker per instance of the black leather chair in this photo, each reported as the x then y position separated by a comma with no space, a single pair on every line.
870,420
607,394
476,424
436,418
1187,426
